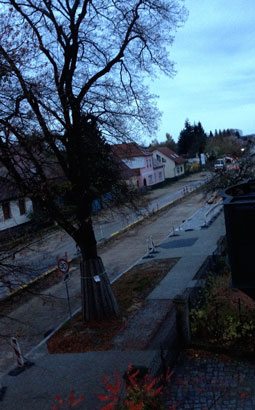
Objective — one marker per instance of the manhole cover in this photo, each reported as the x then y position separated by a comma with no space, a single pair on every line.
179,243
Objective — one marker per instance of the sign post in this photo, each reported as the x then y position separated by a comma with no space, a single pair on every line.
63,267
65,280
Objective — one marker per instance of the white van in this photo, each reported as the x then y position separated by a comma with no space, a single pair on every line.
219,165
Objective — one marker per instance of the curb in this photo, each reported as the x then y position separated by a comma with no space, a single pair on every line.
113,236
160,355
141,220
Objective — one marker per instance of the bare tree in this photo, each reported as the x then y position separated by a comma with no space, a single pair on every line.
235,174
72,78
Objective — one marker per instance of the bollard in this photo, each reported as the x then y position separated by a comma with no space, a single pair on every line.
182,319
174,234
17,351
149,250
149,246
205,223
152,246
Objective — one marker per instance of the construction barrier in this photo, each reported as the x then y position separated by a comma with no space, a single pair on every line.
17,351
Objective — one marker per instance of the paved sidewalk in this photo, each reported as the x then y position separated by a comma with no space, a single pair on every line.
216,383
53,375
30,321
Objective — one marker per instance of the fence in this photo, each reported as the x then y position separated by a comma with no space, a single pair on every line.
175,333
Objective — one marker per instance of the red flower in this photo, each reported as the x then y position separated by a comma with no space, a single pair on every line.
149,387
113,389
169,374
77,401
157,391
137,407
109,406
70,400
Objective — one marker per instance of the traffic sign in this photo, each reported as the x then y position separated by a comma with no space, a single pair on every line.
63,265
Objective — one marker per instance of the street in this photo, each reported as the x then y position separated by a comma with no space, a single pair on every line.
31,320
42,254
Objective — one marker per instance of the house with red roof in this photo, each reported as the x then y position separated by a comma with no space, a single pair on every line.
147,169
174,163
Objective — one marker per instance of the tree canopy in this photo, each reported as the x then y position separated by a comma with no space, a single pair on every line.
192,139
64,58
223,142
169,143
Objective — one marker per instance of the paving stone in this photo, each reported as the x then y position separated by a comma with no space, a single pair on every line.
222,393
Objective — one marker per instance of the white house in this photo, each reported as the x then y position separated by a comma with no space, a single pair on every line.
174,163
14,208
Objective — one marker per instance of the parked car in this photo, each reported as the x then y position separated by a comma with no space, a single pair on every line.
220,165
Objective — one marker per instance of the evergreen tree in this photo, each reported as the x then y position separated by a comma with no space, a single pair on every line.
192,139
185,139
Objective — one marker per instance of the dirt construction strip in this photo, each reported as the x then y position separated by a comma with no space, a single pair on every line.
31,321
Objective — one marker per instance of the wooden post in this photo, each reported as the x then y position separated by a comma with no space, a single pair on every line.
182,319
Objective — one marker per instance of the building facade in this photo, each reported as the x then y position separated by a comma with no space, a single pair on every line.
174,163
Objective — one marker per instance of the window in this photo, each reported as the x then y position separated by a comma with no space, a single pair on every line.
158,158
6,210
160,175
150,179
22,206
163,160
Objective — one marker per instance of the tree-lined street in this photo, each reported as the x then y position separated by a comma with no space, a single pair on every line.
33,319
41,255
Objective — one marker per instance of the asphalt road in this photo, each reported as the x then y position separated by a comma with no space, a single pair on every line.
105,228
42,255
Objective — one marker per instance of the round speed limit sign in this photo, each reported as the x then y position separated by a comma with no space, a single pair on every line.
63,265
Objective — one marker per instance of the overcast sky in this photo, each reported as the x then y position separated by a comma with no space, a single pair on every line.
215,60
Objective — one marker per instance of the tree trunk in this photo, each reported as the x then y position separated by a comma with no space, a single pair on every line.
98,300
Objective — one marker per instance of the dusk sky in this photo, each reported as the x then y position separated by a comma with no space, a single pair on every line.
214,54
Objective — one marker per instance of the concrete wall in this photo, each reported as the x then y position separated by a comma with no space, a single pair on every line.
16,219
